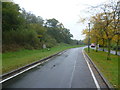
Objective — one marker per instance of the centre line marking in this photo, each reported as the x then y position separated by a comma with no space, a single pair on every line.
72,74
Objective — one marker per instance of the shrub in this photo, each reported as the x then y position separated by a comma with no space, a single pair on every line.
23,38
49,41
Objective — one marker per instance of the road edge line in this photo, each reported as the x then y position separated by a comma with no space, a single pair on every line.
33,66
23,71
101,74
93,76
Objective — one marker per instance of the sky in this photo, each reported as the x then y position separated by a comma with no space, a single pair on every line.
67,12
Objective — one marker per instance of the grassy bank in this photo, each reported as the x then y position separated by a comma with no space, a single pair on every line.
0,63
14,60
109,68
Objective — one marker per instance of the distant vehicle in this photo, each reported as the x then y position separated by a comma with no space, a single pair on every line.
92,45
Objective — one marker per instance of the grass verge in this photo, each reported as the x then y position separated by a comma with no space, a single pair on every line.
109,68
14,60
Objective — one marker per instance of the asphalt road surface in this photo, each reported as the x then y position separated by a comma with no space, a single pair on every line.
67,70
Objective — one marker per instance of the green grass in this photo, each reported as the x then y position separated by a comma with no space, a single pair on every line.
14,60
0,63
109,68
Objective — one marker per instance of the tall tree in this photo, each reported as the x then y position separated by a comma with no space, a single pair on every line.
11,19
57,31
52,22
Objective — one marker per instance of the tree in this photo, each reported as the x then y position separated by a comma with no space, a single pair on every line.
23,29
116,39
11,19
110,21
31,18
106,22
52,23
97,31
56,30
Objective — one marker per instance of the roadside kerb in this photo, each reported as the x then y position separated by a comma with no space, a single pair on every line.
20,70
100,73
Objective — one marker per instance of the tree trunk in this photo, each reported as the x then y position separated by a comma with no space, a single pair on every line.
116,49
103,44
109,48
117,46
96,45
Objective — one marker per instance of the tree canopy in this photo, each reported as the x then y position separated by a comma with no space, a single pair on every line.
106,27
22,29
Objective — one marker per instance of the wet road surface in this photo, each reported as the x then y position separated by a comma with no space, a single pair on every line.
67,70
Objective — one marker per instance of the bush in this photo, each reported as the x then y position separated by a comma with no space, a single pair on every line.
49,41
23,38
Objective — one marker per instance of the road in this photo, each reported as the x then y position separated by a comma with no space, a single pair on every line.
111,51
67,70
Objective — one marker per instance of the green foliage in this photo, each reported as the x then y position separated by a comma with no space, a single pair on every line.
31,18
21,38
49,41
77,42
23,29
11,19
39,29
57,31
52,22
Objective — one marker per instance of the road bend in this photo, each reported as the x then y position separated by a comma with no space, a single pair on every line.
66,70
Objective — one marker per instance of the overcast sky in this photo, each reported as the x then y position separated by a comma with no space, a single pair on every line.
67,12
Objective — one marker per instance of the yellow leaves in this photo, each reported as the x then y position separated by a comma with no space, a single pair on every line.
116,38
85,31
39,36
103,26
94,33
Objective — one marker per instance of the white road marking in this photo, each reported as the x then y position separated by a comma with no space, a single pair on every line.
94,78
22,71
72,74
